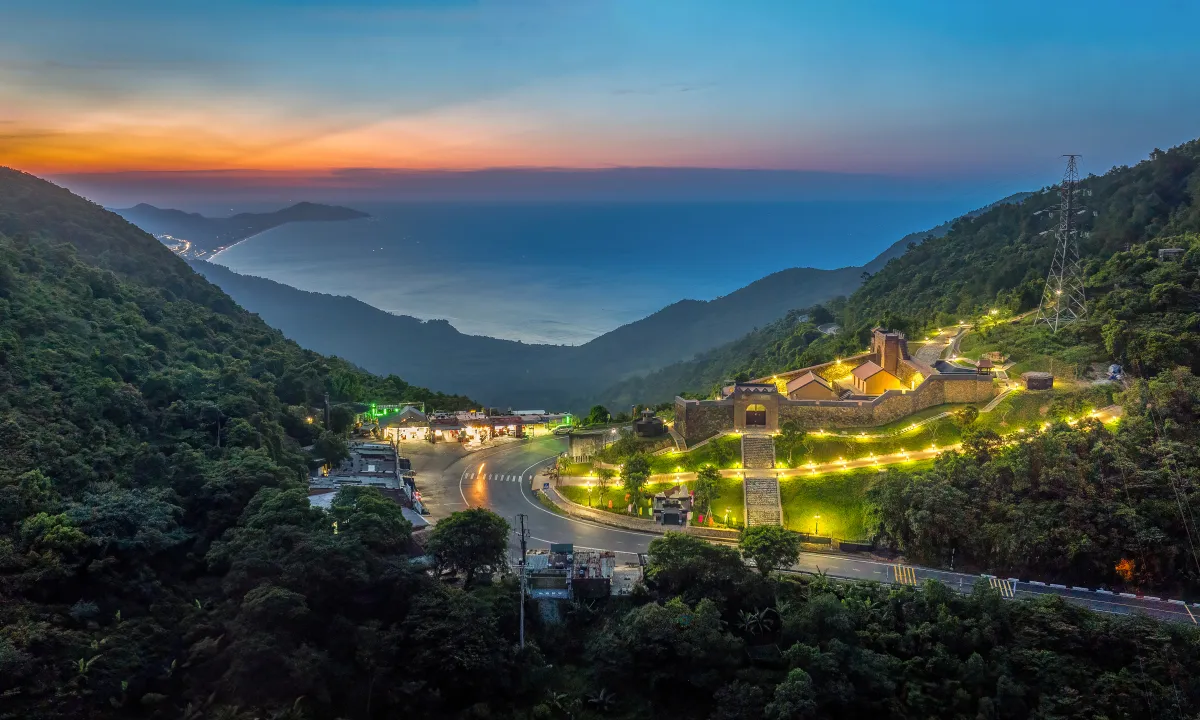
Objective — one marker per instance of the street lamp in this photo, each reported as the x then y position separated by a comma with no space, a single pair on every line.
589,489
816,524
726,516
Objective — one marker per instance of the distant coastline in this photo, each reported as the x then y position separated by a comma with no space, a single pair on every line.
212,257
207,237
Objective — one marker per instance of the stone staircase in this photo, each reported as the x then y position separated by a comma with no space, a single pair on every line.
758,452
761,491
762,501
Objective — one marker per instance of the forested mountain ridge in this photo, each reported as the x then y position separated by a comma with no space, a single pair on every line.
141,412
510,373
503,372
901,246
1001,257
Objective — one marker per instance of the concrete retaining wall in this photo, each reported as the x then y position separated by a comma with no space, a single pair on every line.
634,523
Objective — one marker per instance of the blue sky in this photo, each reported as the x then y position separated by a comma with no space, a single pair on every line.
953,91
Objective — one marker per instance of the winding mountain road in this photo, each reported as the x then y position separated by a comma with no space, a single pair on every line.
501,479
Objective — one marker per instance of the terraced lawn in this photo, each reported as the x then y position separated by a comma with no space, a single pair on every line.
829,448
724,452
838,497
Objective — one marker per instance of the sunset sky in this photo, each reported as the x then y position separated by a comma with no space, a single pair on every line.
923,89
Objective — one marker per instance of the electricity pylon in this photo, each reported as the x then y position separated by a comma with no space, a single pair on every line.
1062,299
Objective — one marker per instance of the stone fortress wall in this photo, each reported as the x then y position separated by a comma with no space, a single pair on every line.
698,420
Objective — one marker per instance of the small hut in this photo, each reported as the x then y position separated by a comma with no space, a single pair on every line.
649,425
1038,380
984,366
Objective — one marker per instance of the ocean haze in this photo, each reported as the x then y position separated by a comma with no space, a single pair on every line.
564,273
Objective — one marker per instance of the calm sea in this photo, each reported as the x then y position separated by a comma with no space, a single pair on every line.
565,273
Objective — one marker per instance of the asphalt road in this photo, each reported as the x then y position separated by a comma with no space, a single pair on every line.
502,478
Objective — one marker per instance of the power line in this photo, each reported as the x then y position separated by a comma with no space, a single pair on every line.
521,568
1062,298
1176,481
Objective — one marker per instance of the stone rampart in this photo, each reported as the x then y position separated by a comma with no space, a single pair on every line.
697,420
707,418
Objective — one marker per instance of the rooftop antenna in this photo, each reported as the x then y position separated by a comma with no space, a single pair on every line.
1062,299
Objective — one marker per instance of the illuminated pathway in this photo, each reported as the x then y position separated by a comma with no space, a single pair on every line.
1105,415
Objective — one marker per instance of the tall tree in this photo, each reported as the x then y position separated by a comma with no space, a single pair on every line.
791,434
770,547
706,487
634,474
470,541
597,415
604,478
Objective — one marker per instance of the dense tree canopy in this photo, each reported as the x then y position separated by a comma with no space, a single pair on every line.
159,556
157,548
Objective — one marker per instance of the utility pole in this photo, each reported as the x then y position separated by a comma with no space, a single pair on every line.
1062,298
521,568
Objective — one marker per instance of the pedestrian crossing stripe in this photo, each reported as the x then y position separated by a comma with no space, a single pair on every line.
1007,588
904,574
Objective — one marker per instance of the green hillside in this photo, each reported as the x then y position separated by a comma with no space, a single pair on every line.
152,471
1000,258
994,260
